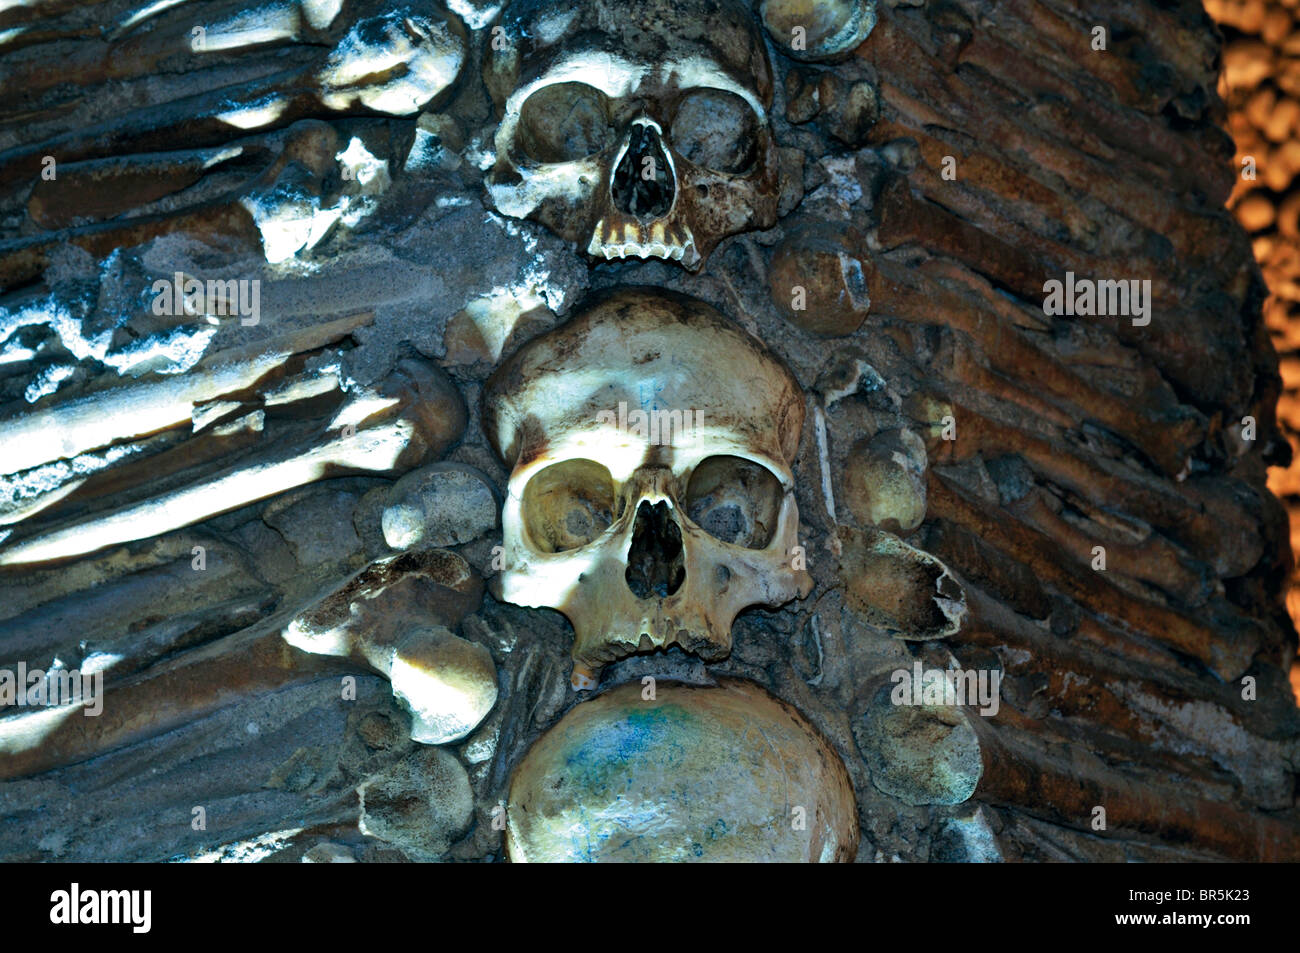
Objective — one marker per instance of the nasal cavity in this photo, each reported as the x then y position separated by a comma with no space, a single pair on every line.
643,182
654,562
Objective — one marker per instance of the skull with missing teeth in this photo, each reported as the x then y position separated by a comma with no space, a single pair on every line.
634,128
651,496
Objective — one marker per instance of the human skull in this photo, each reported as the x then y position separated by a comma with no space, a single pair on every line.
651,496
634,128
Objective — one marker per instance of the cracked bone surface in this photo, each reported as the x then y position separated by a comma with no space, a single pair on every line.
651,496
723,773
634,129
382,616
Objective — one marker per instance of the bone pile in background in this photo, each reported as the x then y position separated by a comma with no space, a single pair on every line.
1261,86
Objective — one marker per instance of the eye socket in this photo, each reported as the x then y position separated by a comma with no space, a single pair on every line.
568,505
717,130
735,500
565,121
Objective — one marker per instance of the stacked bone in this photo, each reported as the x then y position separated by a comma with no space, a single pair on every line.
160,119
1073,433
206,390
1261,86
1125,688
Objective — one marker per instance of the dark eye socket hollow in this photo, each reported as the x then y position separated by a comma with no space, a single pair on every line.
717,130
567,505
564,122
735,500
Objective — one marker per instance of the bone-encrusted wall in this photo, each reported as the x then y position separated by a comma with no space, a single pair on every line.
194,481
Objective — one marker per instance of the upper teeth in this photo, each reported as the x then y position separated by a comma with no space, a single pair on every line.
621,244
653,249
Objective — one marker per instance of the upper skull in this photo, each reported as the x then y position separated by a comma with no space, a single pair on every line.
634,128
651,496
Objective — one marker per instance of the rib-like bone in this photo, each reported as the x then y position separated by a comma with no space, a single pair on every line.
135,410
303,156
163,697
419,418
392,65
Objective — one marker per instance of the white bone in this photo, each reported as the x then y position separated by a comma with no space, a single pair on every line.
564,397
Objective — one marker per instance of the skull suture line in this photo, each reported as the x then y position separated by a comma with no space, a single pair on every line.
634,128
644,526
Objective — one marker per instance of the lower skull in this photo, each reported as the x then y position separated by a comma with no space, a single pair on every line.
722,773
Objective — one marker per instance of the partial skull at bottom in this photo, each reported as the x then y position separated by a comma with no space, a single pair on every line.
706,773
651,497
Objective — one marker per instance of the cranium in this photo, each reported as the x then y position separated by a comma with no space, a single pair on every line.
634,128
651,496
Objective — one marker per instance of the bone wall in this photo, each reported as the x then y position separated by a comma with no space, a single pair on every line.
183,485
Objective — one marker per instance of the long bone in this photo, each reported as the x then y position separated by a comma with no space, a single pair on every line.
223,432
380,433
156,39
434,588
391,65
305,155
126,412
382,66
163,697
95,190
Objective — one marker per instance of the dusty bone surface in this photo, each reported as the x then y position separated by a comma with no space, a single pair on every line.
391,267
658,535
